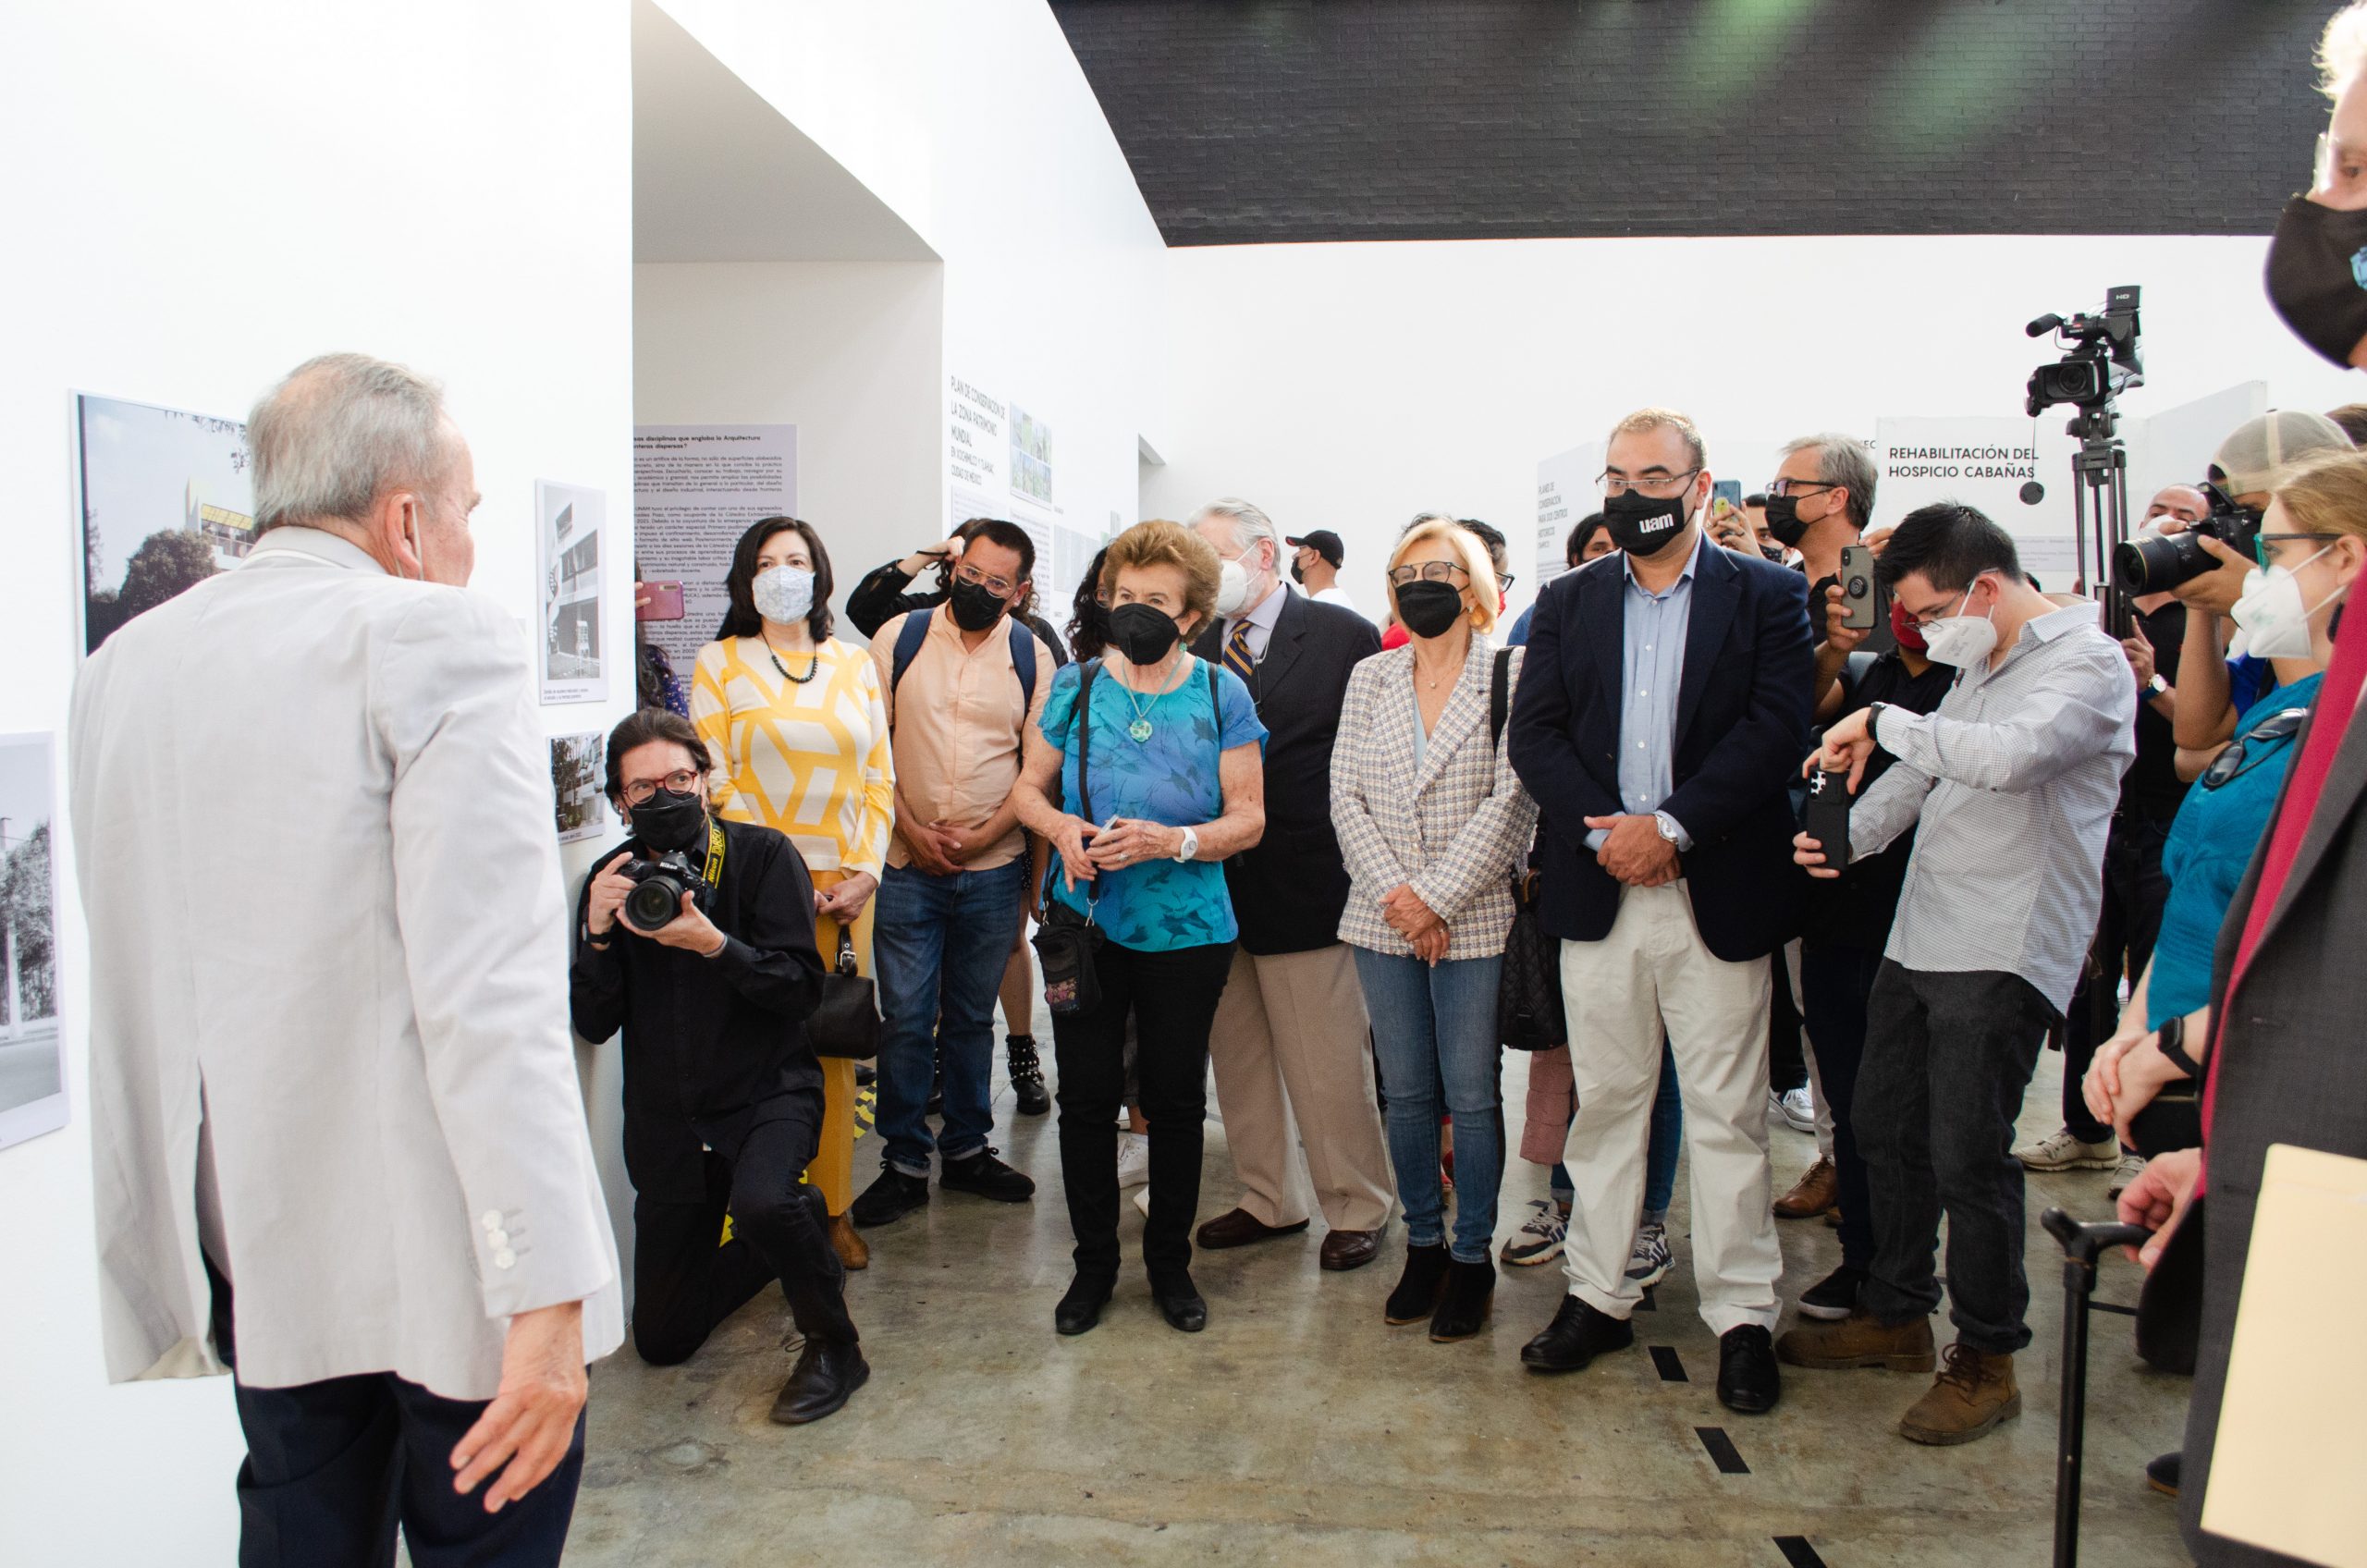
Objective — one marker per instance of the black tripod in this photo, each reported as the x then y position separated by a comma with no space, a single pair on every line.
2100,495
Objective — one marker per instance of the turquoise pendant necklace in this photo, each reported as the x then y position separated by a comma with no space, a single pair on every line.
1141,730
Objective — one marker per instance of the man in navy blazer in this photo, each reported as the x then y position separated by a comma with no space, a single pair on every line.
1663,709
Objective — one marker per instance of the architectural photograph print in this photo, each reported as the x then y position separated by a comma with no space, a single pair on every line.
32,1080
568,521
577,762
168,501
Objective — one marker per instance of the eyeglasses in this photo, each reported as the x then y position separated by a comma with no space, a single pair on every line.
1428,571
1798,486
2278,726
999,586
2261,541
682,781
1655,485
1504,581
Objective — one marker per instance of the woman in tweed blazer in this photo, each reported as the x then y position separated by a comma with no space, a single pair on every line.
1432,823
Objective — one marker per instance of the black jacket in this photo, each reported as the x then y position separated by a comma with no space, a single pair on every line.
707,1041
1742,731
1287,890
880,597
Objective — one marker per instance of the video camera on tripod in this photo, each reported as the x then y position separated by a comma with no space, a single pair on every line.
2102,358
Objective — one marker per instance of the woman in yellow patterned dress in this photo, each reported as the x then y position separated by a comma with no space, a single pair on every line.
799,729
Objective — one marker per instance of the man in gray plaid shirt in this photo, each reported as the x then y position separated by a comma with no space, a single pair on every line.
2010,785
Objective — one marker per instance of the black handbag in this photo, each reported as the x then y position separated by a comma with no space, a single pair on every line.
1066,942
1528,994
846,1021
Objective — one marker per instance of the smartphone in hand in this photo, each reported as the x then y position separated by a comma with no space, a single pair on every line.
1860,596
1826,816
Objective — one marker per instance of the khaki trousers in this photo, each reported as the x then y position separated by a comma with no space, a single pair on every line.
1294,1024
1651,976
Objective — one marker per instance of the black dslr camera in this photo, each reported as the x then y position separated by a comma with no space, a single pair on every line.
2101,358
2158,564
655,901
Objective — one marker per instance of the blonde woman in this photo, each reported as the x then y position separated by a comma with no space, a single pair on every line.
1433,823
799,731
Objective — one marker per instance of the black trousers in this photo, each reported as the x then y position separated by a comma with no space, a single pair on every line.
1948,1057
1836,983
2135,892
1787,1063
1173,996
332,1467
684,1284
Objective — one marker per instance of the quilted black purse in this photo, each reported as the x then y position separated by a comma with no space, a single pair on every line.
1528,994
846,1021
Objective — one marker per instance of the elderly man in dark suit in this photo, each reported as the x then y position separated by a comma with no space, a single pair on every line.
1293,1018
1663,710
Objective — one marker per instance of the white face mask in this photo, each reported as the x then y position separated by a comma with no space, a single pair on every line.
784,593
1232,585
2271,620
1961,640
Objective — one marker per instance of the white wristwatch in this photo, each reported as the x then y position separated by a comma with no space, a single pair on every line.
1667,825
1191,844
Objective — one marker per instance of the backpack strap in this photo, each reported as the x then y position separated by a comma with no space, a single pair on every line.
1500,687
909,638
1085,736
1023,663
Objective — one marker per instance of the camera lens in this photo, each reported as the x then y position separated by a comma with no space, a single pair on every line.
2158,565
654,901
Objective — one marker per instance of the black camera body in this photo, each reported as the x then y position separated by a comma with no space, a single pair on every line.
2101,359
2161,563
655,901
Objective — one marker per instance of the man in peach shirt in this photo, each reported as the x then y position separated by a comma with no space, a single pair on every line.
964,682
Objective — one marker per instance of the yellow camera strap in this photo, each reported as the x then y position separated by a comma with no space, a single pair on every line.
714,853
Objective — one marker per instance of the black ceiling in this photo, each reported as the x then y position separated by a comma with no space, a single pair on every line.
1251,121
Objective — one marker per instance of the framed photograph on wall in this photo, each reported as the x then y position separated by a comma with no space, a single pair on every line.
33,1068
579,768
572,654
167,501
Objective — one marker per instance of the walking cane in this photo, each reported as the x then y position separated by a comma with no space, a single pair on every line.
2081,1244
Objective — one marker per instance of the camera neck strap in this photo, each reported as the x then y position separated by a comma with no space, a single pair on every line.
713,872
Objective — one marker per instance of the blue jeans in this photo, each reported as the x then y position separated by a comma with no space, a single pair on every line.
938,945
1432,1026
1659,1157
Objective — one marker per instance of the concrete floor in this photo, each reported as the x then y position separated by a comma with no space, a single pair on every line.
1298,1428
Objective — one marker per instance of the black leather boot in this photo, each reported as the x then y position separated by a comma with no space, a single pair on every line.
826,1377
1417,1296
1463,1306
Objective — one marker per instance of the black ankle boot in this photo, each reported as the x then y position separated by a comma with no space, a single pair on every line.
1463,1306
1416,1294
1027,1091
1081,1308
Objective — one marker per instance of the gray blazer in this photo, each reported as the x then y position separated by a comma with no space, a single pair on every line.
1455,827
311,810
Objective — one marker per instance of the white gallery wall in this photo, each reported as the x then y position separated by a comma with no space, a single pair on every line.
1349,387
203,195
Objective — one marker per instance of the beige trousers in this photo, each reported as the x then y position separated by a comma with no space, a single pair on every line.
1294,1024
1653,976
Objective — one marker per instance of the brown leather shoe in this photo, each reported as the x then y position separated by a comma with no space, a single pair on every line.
1974,1391
1238,1227
847,1243
1344,1250
1859,1339
1817,1191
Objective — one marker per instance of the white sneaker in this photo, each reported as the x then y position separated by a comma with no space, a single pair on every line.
1649,1261
1796,1109
1133,1160
1539,1240
2132,1166
2060,1151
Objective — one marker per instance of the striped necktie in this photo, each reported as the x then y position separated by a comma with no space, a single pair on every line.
1237,656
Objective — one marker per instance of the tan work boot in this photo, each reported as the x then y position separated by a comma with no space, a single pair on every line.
1815,1193
1859,1340
1972,1393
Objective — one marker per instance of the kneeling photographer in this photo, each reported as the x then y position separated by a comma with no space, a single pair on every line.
698,942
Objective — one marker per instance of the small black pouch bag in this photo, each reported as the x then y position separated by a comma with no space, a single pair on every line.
846,1021
1065,940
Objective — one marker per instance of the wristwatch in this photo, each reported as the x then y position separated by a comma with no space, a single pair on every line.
2157,687
1191,844
1669,830
1873,722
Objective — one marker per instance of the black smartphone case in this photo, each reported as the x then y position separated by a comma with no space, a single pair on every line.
1825,818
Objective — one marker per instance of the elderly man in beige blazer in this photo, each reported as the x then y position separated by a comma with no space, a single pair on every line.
331,1077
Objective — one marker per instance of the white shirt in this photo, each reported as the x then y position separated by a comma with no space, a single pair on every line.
312,818
1261,617
1335,594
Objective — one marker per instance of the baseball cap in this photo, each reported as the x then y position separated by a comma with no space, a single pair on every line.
1324,543
2260,452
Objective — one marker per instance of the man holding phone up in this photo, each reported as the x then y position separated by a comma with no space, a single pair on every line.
2011,784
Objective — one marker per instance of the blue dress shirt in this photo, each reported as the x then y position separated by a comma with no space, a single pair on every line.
1651,667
